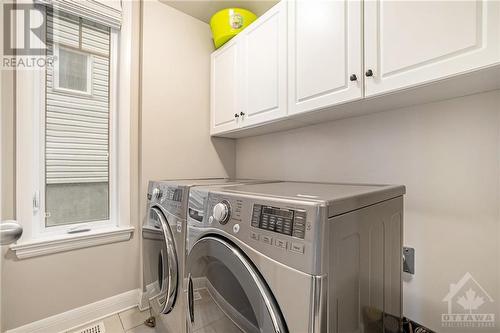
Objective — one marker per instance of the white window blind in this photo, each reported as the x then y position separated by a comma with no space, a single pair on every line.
76,123
105,12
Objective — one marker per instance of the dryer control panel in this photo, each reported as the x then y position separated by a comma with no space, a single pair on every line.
291,222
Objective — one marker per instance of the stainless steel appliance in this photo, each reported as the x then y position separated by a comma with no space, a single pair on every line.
294,257
164,235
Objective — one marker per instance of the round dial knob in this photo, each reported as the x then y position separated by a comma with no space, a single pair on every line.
156,193
222,212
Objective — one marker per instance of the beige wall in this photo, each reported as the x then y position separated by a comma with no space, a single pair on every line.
446,153
33,289
175,140
7,120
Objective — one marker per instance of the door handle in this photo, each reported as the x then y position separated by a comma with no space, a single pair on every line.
190,298
10,231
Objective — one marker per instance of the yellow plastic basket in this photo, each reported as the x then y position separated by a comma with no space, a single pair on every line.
229,22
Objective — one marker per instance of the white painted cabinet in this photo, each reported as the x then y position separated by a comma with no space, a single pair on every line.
249,74
307,55
264,70
409,43
325,53
224,86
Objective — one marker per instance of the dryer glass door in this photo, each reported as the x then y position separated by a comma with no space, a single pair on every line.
160,262
226,293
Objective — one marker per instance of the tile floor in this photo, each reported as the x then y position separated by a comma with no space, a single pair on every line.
128,321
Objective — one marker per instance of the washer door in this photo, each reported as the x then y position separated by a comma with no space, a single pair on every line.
160,262
226,293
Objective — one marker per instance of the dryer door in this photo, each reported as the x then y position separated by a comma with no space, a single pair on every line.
226,293
160,262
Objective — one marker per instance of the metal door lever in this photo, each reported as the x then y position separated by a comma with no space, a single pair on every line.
10,231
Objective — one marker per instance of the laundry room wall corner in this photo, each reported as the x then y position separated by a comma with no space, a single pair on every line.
174,103
174,133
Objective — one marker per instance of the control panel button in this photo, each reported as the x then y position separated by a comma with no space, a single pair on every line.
280,243
256,215
254,235
297,247
236,228
267,240
299,224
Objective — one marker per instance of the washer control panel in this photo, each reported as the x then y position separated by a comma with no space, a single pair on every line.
169,197
161,193
291,222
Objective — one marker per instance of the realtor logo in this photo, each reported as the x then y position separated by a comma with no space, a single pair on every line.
28,23
468,305
24,37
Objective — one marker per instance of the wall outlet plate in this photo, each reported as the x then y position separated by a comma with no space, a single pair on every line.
409,260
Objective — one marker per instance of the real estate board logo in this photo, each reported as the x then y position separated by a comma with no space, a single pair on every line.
24,32
469,305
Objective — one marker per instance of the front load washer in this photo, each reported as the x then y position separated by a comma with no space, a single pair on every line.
295,257
163,241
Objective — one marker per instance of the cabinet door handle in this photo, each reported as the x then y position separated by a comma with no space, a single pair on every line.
242,113
369,73
236,115
353,77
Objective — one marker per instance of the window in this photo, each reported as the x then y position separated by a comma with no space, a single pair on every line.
73,71
78,124
70,192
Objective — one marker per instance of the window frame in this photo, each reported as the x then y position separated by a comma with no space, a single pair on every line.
29,94
90,64
41,230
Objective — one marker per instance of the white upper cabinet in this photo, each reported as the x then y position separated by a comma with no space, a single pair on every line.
264,70
408,43
308,55
224,88
325,53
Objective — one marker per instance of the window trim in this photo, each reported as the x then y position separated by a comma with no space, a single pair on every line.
90,64
29,95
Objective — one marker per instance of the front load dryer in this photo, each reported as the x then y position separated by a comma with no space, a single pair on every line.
295,257
163,242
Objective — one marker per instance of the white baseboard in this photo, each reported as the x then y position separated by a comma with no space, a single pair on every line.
83,315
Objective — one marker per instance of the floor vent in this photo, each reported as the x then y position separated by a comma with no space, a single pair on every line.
94,328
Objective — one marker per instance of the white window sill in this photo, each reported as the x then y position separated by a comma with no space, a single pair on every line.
67,242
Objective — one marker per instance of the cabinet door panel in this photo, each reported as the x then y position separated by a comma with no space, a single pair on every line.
324,51
413,42
264,67
224,88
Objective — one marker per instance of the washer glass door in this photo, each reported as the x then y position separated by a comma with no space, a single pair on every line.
226,293
160,262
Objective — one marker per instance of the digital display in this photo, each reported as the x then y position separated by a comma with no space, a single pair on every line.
284,221
278,212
